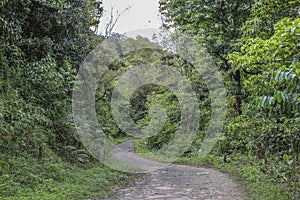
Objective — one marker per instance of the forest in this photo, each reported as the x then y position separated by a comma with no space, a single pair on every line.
254,44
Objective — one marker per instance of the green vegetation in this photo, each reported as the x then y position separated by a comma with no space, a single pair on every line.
42,44
254,43
23,177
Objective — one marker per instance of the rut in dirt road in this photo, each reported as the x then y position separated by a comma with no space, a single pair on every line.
180,182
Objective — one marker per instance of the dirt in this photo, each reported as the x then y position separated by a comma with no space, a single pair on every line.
179,182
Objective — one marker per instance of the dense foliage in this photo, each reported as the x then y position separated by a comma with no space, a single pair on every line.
217,25
254,43
41,46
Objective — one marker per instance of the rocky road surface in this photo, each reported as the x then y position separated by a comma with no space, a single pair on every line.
179,182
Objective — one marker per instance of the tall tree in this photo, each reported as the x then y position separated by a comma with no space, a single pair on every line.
217,25
42,43
269,58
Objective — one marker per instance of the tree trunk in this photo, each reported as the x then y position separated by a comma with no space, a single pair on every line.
238,93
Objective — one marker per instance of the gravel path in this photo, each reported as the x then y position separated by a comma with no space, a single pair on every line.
179,182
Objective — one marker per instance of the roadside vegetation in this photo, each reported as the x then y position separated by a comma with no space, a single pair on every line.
42,44
255,44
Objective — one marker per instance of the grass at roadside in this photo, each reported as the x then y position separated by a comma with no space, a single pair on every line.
122,139
27,178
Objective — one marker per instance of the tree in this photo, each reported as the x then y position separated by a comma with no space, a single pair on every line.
59,28
264,14
42,44
143,98
276,86
217,25
110,25
269,60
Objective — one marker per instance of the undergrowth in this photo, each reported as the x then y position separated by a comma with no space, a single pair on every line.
24,177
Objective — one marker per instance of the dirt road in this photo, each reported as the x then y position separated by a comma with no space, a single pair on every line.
179,182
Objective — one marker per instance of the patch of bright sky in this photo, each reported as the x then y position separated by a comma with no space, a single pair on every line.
142,14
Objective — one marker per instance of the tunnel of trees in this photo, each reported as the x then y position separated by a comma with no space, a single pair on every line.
254,43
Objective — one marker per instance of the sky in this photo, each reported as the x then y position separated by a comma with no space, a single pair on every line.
142,14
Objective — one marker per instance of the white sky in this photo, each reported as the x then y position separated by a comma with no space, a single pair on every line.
142,14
